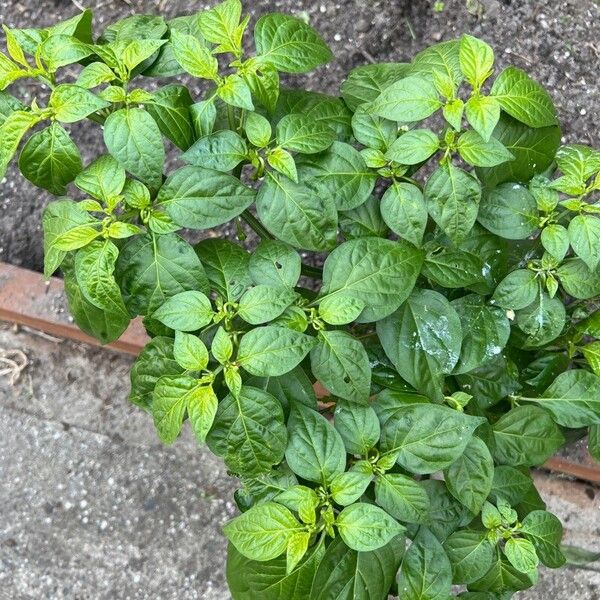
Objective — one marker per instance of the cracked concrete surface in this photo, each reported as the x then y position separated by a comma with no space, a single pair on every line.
93,507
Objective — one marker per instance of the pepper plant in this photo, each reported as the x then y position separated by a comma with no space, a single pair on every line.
423,248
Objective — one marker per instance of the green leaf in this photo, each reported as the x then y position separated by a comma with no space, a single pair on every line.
154,361
470,553
50,159
94,270
509,211
272,350
134,139
511,484
283,162
204,115
222,151
474,150
404,211
402,497
343,572
439,59
476,60
584,235
258,130
246,577
526,435
341,364
523,98
542,321
545,531
423,340
483,114
194,57
341,173
100,323
301,134
60,50
573,399
289,44
485,332
263,532
60,217
578,162
453,113
555,240
152,268
358,425
592,356
187,311
190,352
249,432
201,409
263,303
413,147
103,179
363,221
226,267
533,149
221,25
452,197
200,198
315,450
264,86
222,346
348,487
170,108
366,82
235,92
426,573
521,554
275,264
12,130
454,268
72,103
95,74
503,578
365,527
469,479
427,437
517,290
296,214
407,100
381,273
171,398
340,310
578,280
372,131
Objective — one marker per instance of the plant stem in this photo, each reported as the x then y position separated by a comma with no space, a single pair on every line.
256,225
310,271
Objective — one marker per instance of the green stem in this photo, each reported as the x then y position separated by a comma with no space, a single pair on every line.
310,271
256,225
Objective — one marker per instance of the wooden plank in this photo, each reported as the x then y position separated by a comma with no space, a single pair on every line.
26,298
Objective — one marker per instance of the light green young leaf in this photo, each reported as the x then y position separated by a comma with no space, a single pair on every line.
271,350
222,346
340,310
203,115
523,98
483,114
592,356
365,527
263,532
584,235
289,44
235,92
103,179
187,311
476,60
555,240
194,57
62,50
346,488
95,74
72,103
221,25
301,134
521,554
258,130
283,162
474,150
12,130
407,100
413,147
190,352
201,410
545,531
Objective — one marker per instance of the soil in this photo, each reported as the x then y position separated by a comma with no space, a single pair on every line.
556,41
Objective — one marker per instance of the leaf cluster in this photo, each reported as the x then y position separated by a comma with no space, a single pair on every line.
453,324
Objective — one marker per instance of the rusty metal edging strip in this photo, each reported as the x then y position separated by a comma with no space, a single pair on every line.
26,298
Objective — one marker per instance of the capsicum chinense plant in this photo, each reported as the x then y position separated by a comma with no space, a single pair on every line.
453,323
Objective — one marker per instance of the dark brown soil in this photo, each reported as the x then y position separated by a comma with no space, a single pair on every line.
558,42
